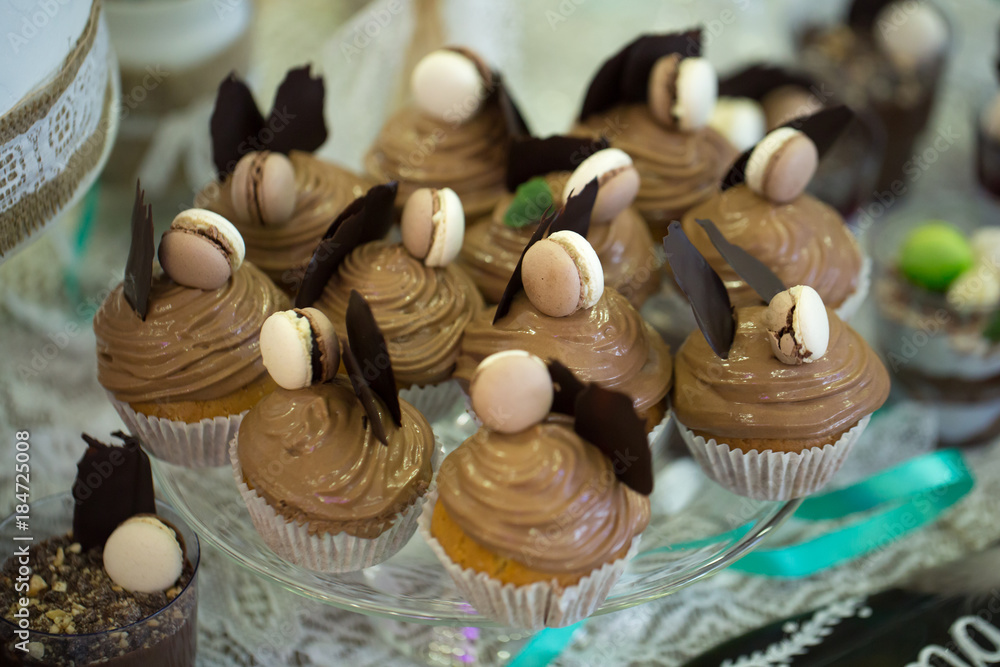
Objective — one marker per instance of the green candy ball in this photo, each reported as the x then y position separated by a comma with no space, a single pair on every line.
934,254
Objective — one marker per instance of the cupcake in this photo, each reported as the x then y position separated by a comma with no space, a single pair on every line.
887,57
653,99
557,307
278,194
178,349
542,173
761,98
353,460
764,210
535,517
455,134
113,581
939,306
769,399
421,299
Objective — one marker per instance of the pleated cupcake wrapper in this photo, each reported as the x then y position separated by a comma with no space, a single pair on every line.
853,302
326,552
201,444
532,606
434,401
768,475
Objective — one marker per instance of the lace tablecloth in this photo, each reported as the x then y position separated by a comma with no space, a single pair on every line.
48,386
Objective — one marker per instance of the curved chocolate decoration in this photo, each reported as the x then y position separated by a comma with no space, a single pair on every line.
566,388
369,366
530,156
823,127
295,122
112,484
755,272
863,13
759,79
703,288
624,77
139,265
516,125
574,217
367,218
607,420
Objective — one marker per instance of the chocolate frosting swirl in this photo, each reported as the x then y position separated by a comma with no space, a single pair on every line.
676,169
195,345
805,242
323,190
753,395
311,454
491,250
421,310
542,497
609,344
420,152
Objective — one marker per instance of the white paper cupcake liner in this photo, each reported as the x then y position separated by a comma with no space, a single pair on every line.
201,444
434,401
326,552
768,475
853,302
534,606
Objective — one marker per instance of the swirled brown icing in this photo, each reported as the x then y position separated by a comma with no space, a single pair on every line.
805,242
311,454
609,344
542,497
676,169
753,395
491,250
283,251
421,310
420,152
194,345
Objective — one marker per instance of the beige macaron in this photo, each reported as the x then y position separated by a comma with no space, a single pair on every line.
562,274
781,165
201,249
741,120
263,188
433,225
511,391
682,91
299,348
143,555
617,178
448,85
798,325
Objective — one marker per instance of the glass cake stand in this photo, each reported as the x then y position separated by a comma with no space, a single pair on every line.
697,529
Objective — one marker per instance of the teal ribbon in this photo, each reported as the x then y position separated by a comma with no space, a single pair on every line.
893,503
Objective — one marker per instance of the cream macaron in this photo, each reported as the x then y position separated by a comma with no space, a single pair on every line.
781,165
798,325
433,225
263,188
299,348
682,91
511,391
448,85
618,180
143,555
201,249
562,274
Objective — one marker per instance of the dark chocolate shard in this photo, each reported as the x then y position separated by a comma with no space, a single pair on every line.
516,284
755,272
112,484
607,420
368,347
368,218
624,77
530,157
566,388
823,127
365,394
862,13
703,288
513,118
294,123
139,265
575,215
757,80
